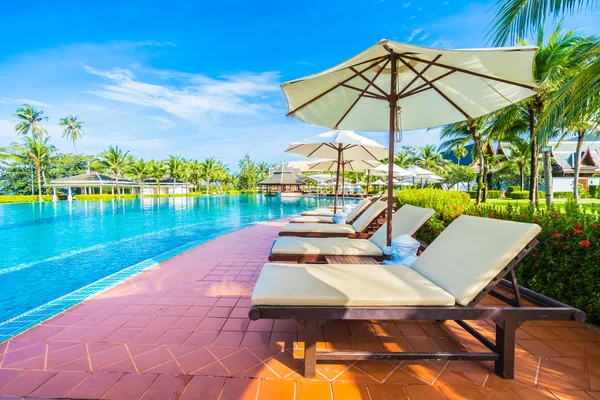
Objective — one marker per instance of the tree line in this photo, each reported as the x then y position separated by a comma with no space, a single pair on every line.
34,158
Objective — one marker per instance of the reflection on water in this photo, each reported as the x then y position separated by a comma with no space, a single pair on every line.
51,249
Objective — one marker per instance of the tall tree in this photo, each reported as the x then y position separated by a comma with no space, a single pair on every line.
460,152
555,63
430,159
73,129
175,169
116,161
519,155
582,127
158,170
248,176
461,134
210,168
35,152
29,121
140,170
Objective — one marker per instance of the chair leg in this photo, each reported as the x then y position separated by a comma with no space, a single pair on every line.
505,346
310,348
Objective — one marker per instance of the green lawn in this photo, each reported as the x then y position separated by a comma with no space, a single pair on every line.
587,203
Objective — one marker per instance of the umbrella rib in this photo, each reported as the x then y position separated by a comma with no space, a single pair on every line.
466,71
436,89
362,94
332,88
425,86
372,82
364,91
419,75
313,152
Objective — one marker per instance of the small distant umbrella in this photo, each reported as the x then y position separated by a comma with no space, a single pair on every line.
339,145
379,182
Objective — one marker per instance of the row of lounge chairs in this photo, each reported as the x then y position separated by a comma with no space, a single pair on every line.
469,260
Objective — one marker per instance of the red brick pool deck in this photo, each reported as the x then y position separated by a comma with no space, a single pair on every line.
180,330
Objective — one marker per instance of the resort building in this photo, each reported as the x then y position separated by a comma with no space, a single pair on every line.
90,183
563,163
165,186
284,180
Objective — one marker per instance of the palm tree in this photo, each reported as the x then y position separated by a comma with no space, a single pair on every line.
430,159
175,169
158,169
580,127
460,152
463,133
116,162
210,167
140,170
518,154
35,151
30,121
555,63
263,170
73,129
403,159
195,172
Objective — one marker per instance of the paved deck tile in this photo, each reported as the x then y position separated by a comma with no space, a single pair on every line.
180,330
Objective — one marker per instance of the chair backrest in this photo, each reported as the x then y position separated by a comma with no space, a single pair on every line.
471,252
369,215
405,221
360,206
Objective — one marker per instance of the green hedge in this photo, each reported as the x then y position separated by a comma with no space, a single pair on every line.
513,189
491,194
29,198
563,195
93,197
564,266
524,195
594,191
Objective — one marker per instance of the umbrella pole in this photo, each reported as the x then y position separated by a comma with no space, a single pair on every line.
368,179
337,181
393,100
343,183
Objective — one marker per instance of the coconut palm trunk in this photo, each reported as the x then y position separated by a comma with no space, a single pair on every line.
207,183
479,147
39,182
534,169
117,185
577,162
522,177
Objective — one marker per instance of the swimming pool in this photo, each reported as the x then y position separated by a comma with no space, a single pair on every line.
57,254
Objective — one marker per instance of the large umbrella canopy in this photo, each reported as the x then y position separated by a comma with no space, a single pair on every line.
348,165
340,146
393,86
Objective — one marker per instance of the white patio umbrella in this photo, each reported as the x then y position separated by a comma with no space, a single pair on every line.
397,170
347,165
393,86
339,145
423,174
379,182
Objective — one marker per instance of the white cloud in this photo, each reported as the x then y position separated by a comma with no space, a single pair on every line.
195,97
423,37
414,34
31,102
406,5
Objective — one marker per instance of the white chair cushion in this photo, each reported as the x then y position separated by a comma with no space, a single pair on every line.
349,285
369,215
317,213
327,246
470,252
318,228
316,219
360,206
406,221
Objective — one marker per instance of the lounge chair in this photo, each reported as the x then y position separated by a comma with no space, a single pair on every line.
358,229
406,221
464,264
359,208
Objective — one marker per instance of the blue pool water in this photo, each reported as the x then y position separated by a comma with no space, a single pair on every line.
52,249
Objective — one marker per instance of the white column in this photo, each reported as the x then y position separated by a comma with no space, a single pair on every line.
69,195
54,198
100,190
112,190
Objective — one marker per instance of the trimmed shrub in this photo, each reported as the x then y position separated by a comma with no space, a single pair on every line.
513,189
564,266
108,196
519,194
594,191
29,198
563,195
495,194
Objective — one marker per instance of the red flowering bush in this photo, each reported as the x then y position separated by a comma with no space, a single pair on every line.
566,263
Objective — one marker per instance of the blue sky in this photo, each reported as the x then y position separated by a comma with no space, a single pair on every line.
201,78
